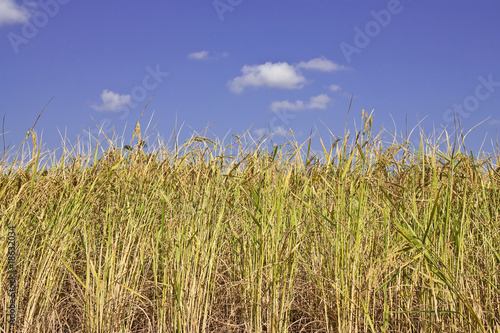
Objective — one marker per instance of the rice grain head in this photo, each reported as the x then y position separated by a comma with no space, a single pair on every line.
33,140
137,132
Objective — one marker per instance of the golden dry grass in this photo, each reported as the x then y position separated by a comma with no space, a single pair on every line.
369,238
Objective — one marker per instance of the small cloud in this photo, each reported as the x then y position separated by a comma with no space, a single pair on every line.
334,87
219,55
12,13
319,102
277,75
281,131
259,131
286,105
315,102
321,64
198,55
278,130
112,101
207,55
494,122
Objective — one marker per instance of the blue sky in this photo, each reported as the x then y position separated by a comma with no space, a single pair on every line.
275,64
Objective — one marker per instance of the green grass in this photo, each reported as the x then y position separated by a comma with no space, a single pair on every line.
371,237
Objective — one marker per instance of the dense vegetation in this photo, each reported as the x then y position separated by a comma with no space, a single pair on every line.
371,237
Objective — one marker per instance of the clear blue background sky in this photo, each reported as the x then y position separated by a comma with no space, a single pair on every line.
281,64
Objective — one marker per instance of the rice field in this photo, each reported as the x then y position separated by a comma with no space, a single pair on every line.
212,237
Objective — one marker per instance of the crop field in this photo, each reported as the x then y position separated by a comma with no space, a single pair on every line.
206,237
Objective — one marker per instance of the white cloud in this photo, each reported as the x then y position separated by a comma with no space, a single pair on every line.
286,105
278,130
259,131
198,55
321,64
315,102
334,87
207,55
11,13
277,75
112,101
319,102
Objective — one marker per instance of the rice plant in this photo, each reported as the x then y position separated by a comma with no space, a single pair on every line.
368,237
